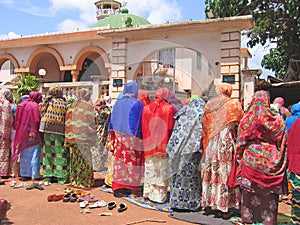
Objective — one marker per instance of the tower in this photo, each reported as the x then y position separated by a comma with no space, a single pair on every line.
106,8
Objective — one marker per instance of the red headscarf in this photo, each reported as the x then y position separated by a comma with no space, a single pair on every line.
157,123
27,122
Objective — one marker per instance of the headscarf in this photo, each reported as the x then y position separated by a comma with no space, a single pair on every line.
219,112
80,127
143,96
127,112
171,98
27,122
100,104
293,143
56,92
23,98
53,112
261,143
295,111
6,94
284,111
158,122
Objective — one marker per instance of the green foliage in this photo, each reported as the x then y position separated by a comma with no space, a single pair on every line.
25,83
275,21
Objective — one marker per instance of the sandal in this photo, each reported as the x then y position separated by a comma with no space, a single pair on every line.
83,204
73,198
111,205
37,186
98,204
89,198
13,183
81,192
69,190
122,207
66,197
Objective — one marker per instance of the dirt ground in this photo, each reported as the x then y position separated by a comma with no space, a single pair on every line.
30,207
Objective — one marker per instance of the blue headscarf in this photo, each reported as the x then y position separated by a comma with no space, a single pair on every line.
295,111
126,117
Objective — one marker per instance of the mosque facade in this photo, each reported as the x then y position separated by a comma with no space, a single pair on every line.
189,57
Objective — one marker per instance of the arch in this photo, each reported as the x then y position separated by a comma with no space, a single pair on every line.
37,54
4,57
85,52
192,71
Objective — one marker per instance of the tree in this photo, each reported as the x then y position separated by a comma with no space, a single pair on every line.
275,22
25,83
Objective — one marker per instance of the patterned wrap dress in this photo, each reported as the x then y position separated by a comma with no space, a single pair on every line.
261,154
81,137
184,151
220,120
55,156
6,125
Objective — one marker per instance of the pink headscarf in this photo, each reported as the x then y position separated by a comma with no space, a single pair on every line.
280,102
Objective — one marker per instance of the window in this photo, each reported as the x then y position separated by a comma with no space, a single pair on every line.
12,69
166,57
199,61
209,69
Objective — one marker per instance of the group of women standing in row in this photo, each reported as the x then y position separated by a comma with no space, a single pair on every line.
203,155
60,136
207,155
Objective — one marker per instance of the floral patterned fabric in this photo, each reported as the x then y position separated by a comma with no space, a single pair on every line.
128,166
5,128
157,178
217,166
261,143
260,204
185,156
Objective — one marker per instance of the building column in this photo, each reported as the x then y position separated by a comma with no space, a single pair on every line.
75,74
118,68
231,60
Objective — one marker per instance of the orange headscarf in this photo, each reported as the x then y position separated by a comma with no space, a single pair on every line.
219,112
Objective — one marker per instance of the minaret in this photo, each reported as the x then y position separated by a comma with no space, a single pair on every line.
106,8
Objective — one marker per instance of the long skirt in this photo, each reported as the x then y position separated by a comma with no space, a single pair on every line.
185,192
30,162
55,158
128,165
217,166
259,207
157,178
4,157
81,168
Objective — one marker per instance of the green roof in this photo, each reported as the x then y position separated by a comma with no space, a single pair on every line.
118,21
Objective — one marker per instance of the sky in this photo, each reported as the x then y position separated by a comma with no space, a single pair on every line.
31,17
